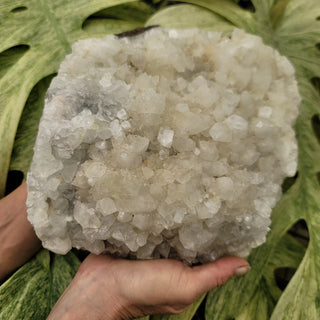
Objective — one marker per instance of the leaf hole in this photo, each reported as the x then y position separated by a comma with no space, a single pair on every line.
315,121
318,177
289,182
19,9
81,254
200,313
10,56
300,232
316,83
14,180
283,276
292,250
246,5
317,303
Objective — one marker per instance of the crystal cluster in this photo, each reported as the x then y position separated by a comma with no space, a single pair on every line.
171,143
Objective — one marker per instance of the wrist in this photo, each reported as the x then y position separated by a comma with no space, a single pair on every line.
88,298
18,241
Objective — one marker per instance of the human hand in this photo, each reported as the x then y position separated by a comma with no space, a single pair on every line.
18,242
109,288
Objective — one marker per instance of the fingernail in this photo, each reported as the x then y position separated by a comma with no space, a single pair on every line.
242,270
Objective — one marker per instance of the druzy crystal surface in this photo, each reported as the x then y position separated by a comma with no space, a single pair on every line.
171,143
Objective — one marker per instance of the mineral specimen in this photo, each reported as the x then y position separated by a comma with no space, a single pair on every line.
171,143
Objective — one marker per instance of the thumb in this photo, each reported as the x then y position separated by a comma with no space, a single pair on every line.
211,275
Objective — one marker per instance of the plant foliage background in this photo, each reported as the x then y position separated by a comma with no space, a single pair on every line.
35,35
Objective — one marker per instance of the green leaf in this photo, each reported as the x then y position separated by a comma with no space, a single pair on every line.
11,56
135,11
288,253
34,289
277,12
97,27
117,19
185,315
48,28
28,127
179,17
228,10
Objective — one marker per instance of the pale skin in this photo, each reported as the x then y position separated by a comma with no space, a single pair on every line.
106,288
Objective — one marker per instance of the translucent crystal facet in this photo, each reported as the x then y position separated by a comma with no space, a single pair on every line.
171,143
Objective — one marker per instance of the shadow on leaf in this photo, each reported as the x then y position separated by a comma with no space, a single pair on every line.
289,182
283,276
118,18
19,9
15,178
10,57
315,120
246,5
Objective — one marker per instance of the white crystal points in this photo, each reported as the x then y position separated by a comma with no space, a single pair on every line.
172,143
165,137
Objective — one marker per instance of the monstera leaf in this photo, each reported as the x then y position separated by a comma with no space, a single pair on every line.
35,288
36,35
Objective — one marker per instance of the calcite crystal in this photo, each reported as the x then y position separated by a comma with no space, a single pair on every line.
171,143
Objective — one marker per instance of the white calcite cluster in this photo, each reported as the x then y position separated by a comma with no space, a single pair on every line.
171,143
